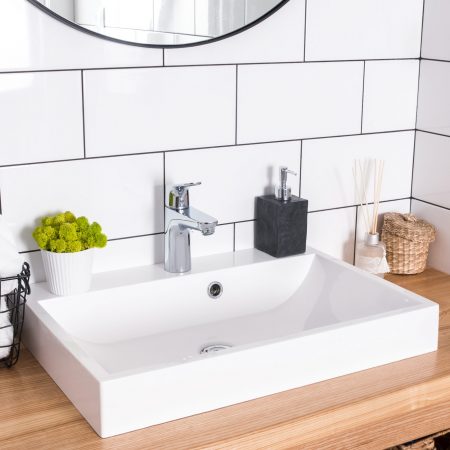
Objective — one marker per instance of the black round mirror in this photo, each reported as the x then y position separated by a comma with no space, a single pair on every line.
161,23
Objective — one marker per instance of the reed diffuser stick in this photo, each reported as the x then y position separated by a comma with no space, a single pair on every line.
362,173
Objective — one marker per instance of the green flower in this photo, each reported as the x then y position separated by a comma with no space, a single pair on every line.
95,228
68,232
58,245
40,237
49,231
83,223
59,219
69,217
101,240
47,221
65,233
74,246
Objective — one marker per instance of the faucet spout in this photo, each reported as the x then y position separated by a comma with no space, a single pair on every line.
177,242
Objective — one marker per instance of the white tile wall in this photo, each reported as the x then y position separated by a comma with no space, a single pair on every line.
292,101
390,95
436,30
244,235
431,169
279,38
400,206
125,195
333,232
134,252
431,180
327,167
145,110
219,242
363,29
434,97
232,177
439,256
40,117
32,40
153,109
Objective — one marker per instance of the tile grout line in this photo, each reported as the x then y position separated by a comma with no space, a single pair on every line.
356,235
244,144
161,233
417,104
433,132
431,203
164,191
300,171
236,106
362,97
87,69
304,31
356,205
83,115
435,59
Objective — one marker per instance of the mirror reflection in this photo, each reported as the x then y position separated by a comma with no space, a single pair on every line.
161,22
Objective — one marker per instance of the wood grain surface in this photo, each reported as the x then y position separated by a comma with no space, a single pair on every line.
373,409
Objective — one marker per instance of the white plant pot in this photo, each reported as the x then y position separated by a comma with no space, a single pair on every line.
68,273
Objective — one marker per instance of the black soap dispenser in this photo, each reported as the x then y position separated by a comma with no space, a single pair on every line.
281,220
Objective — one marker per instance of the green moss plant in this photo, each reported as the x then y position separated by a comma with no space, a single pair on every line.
65,233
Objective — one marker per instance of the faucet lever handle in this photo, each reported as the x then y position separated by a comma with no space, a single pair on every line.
179,195
180,187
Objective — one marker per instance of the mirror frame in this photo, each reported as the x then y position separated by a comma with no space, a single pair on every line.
160,46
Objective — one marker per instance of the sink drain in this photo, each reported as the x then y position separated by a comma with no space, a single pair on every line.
214,348
215,289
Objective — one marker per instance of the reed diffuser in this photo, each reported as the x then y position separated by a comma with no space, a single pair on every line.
371,252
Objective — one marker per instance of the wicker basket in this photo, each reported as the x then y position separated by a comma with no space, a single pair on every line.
407,240
426,443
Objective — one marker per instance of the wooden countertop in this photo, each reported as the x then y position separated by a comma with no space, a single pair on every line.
373,409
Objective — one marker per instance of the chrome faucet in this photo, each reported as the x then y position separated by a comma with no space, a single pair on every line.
180,218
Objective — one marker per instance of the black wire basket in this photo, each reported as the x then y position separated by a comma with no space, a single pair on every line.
12,314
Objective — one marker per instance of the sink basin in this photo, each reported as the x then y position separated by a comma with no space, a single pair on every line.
145,347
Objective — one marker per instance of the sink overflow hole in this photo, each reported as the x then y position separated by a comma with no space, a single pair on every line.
215,289
214,348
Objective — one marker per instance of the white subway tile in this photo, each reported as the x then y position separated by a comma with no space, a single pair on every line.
390,95
327,167
147,110
134,252
37,273
436,30
431,169
399,206
439,257
291,101
363,29
32,40
333,232
434,97
278,38
40,117
245,235
120,254
232,177
219,242
123,194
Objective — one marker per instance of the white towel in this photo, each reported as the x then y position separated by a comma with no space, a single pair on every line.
6,330
10,259
10,264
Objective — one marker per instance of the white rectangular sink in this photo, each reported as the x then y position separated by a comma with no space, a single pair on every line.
128,353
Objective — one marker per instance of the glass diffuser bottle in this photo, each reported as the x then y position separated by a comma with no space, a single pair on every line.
371,255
